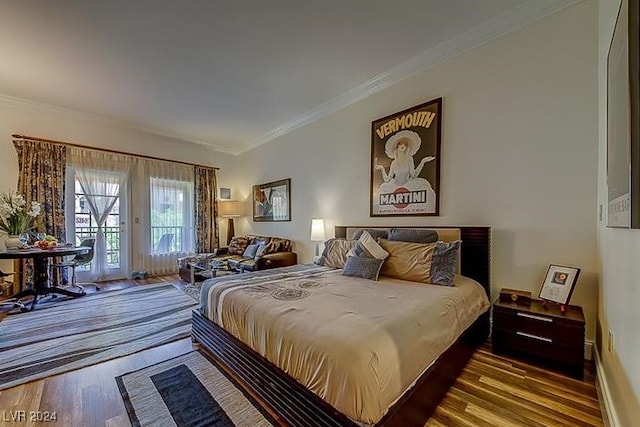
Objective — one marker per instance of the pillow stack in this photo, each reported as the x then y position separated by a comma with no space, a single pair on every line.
366,258
406,254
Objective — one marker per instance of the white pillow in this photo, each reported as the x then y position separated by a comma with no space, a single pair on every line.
370,247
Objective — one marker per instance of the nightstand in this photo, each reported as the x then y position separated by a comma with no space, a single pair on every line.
541,335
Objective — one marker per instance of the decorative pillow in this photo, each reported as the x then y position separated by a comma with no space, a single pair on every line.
376,234
407,260
413,235
335,252
251,250
237,245
280,245
262,250
257,240
432,263
366,268
371,248
443,262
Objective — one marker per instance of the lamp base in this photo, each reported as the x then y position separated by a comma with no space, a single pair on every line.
230,230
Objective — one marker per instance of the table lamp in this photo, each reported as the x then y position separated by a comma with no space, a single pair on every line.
317,233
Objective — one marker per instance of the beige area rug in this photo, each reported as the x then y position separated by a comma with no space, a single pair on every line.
187,391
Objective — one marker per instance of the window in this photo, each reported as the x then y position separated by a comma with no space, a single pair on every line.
86,226
171,220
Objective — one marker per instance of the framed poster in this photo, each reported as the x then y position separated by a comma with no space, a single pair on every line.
405,162
272,201
623,139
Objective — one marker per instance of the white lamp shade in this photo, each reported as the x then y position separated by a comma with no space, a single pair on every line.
229,208
317,230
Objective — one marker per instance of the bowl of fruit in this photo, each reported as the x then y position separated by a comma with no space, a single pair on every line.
49,242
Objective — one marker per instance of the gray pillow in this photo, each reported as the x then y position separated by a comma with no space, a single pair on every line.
250,251
413,235
376,234
443,262
336,252
366,268
262,249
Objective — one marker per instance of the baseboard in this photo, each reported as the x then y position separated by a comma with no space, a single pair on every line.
609,414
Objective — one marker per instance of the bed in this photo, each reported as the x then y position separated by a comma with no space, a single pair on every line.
321,348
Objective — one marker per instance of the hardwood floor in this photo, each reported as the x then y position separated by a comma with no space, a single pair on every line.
492,391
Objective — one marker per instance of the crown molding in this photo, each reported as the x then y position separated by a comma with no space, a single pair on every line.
26,104
516,18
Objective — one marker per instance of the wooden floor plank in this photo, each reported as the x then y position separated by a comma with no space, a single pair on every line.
492,391
559,394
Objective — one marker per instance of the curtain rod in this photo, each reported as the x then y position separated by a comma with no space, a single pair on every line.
142,156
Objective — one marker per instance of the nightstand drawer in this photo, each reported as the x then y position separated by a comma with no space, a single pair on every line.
556,330
537,347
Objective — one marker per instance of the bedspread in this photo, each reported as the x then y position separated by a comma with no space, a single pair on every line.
356,343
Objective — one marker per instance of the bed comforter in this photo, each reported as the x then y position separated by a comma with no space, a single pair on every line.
356,343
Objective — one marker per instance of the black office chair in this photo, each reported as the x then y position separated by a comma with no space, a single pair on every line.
77,261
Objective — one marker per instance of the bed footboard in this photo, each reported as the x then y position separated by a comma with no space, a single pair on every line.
294,405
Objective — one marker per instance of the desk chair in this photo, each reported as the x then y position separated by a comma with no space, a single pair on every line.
77,261
10,302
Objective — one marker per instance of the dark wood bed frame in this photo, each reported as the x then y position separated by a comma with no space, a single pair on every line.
295,405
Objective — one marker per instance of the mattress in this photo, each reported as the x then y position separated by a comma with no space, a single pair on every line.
356,343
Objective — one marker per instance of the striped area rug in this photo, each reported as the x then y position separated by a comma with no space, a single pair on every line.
90,330
188,391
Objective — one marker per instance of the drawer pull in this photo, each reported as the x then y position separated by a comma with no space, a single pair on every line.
535,337
531,316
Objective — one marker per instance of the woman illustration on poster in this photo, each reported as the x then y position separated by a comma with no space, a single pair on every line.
402,174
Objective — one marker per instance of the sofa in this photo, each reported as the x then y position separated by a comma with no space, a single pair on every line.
246,253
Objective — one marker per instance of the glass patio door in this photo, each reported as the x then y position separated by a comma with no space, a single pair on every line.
82,225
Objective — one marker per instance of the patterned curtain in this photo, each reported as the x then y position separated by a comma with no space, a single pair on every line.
206,209
41,178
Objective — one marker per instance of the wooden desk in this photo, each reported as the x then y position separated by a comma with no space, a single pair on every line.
41,258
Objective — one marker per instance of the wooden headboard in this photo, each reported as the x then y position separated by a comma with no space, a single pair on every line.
475,252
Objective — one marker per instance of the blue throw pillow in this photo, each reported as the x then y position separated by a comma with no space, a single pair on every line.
364,267
250,251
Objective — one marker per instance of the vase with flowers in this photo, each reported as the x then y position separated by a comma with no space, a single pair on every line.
16,218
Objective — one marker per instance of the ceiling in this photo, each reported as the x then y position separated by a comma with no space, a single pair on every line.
234,74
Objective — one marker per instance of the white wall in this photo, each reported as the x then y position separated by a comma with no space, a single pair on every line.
519,154
619,249
18,117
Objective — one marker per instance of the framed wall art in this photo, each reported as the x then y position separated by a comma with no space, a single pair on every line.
405,162
559,283
272,201
623,113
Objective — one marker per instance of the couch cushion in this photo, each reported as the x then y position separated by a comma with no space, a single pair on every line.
238,245
236,262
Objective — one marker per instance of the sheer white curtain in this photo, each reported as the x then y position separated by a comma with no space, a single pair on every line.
166,227
101,176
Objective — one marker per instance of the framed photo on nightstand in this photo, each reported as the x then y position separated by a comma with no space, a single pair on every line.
559,283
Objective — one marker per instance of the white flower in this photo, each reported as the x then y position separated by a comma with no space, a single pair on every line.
15,217
35,209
